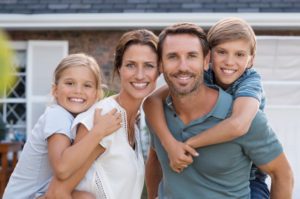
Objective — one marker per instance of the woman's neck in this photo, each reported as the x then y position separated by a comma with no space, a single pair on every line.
131,107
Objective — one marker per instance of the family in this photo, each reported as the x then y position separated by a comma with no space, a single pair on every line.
210,138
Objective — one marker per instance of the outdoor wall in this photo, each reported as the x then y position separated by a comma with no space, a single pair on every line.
98,43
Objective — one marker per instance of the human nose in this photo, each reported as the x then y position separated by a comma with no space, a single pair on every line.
140,73
229,60
183,64
78,89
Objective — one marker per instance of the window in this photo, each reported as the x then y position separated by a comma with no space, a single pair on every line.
13,104
35,62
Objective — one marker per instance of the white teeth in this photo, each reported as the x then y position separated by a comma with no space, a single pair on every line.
183,77
228,71
139,85
80,100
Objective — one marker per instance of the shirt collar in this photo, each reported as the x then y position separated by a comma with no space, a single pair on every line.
221,109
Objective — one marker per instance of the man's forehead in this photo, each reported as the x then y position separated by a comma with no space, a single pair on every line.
174,42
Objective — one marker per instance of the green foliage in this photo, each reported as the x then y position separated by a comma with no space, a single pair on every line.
6,64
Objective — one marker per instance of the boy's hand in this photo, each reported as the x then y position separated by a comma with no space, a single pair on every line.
180,155
107,123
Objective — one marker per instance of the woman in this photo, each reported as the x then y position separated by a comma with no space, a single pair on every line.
118,172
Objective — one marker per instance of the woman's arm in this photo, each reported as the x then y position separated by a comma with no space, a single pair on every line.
244,111
179,153
66,159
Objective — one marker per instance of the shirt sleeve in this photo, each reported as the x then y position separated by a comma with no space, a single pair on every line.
87,119
57,120
260,143
249,85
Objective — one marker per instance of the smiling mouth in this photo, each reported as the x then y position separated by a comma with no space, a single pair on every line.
77,100
228,71
140,85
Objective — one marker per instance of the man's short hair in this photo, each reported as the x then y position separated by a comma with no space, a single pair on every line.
183,28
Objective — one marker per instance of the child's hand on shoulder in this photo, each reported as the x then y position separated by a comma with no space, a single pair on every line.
107,123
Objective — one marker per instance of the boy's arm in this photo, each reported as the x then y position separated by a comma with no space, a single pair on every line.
66,159
179,153
244,111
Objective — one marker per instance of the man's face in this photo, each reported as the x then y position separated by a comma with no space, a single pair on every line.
183,63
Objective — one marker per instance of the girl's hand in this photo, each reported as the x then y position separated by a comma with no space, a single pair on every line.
107,123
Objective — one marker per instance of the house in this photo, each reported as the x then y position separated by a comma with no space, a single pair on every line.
43,31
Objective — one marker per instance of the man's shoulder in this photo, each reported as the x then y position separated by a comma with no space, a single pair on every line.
259,122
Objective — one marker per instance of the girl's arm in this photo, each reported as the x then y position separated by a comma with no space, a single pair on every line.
179,153
244,111
64,188
66,159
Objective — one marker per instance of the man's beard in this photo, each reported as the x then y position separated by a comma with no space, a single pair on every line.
184,91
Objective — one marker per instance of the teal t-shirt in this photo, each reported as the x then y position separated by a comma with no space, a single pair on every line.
220,170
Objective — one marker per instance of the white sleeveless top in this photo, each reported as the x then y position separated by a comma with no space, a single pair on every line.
119,171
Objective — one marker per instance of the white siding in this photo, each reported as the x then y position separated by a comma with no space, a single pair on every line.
43,57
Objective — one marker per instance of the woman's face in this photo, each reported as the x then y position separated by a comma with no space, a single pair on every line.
139,71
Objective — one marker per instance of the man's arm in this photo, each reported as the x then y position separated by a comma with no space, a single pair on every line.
281,174
153,174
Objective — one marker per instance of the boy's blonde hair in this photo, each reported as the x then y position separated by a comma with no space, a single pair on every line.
80,60
230,29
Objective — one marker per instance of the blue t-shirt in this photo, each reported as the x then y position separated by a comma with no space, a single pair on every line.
248,85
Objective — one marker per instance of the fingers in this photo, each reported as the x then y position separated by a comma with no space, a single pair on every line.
191,150
97,111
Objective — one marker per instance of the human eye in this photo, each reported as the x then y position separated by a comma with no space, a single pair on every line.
129,65
220,51
69,83
149,65
240,54
88,85
193,55
171,56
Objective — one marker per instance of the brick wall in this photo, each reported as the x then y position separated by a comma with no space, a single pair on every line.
100,44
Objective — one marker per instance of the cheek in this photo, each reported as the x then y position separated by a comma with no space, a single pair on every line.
153,75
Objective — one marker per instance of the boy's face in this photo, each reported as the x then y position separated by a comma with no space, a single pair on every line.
230,60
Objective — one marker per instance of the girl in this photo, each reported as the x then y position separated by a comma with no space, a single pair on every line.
48,150
118,172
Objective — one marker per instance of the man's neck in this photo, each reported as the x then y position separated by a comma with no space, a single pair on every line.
196,104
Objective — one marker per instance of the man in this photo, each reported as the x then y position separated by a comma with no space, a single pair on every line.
221,170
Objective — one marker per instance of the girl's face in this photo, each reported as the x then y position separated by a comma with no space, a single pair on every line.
139,71
76,90
230,60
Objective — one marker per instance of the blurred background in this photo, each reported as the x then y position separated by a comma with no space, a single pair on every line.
42,32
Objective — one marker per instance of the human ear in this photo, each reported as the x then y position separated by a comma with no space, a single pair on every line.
53,90
251,61
207,61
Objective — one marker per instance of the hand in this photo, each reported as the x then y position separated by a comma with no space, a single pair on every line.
107,123
180,155
57,190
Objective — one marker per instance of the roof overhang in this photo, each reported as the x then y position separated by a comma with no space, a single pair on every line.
138,20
